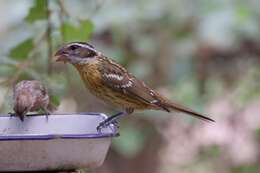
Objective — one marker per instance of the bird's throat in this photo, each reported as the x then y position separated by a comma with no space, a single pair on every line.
90,75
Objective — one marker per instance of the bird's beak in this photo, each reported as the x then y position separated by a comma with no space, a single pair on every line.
61,56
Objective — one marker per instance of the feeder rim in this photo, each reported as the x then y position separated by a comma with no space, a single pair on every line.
97,135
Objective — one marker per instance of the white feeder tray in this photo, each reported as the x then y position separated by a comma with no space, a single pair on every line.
59,142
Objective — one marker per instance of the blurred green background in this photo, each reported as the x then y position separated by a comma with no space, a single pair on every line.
203,54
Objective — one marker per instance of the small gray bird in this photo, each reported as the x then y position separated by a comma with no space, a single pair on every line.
29,96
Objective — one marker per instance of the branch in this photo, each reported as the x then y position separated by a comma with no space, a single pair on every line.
49,40
62,13
63,10
22,66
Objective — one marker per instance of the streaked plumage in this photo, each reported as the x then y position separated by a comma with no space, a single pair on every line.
29,96
112,83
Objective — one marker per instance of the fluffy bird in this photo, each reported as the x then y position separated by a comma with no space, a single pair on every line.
29,96
112,83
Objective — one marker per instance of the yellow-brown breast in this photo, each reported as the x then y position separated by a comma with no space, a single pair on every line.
92,78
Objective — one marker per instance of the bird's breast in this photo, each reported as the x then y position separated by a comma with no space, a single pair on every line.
91,76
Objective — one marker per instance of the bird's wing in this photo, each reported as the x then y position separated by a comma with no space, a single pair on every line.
38,86
40,94
118,79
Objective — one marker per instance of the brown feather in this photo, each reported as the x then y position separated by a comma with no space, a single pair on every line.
29,96
177,107
111,82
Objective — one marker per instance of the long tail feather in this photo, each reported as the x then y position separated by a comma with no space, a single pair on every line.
180,108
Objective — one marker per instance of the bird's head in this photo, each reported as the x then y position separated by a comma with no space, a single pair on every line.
76,53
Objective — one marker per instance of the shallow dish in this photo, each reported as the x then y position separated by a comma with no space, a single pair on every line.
59,142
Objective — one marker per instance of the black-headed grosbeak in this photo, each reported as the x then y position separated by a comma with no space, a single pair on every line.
112,83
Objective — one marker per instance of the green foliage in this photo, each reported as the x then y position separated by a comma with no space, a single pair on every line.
38,12
246,169
182,34
242,12
22,50
55,100
7,69
25,76
257,132
211,151
249,87
81,32
131,141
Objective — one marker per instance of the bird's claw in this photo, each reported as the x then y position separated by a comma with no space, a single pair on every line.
14,114
11,114
106,123
47,113
47,116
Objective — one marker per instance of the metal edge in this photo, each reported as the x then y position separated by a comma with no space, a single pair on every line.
79,113
113,128
60,136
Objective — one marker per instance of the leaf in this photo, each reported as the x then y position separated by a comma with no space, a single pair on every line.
25,76
87,28
22,50
243,12
37,12
82,32
55,100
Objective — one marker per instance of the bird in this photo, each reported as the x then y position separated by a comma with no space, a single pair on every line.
29,96
112,83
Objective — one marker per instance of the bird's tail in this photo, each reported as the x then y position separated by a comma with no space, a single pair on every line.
169,105
21,106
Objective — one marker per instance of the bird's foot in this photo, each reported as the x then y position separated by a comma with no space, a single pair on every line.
47,113
110,120
47,116
14,114
107,122
11,114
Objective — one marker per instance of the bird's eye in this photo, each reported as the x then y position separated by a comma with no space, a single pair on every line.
74,47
